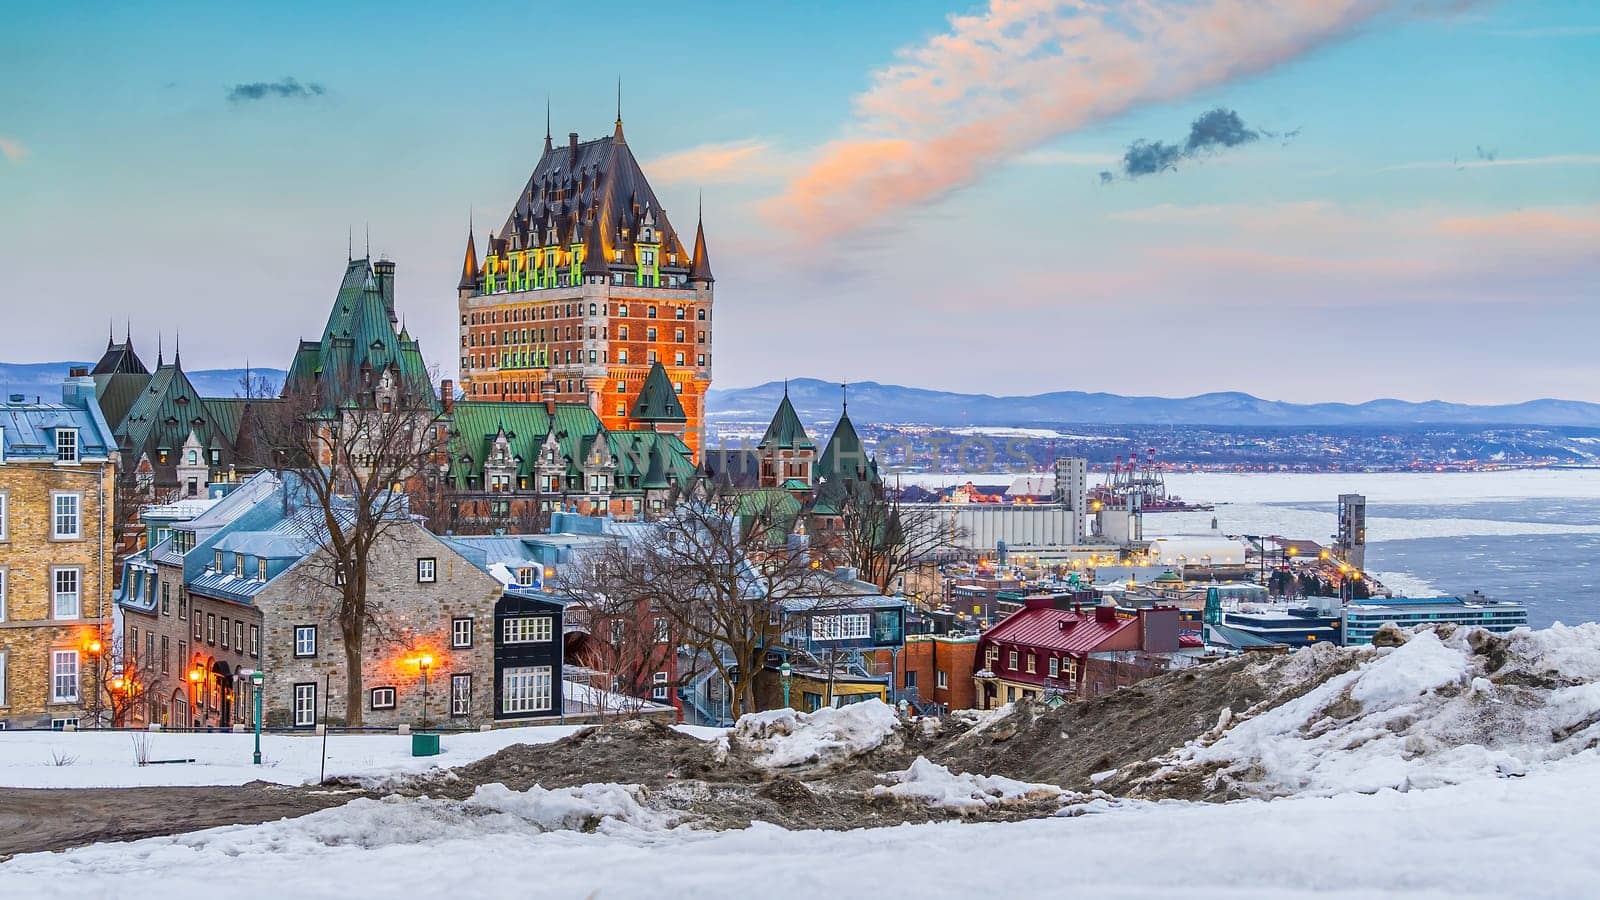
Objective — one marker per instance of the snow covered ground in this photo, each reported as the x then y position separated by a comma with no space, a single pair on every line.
57,759
1488,838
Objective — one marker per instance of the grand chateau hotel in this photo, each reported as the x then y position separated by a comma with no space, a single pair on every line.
583,289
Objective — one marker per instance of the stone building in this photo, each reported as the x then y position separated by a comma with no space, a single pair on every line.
57,483
584,288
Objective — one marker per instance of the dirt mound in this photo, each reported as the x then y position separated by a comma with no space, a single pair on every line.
634,752
1070,743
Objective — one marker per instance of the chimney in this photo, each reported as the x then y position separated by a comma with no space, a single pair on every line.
78,371
447,395
1105,614
547,389
572,144
383,271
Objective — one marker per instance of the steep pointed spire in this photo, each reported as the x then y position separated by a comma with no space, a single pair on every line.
111,333
177,350
161,353
548,146
700,268
469,265
127,333
617,134
785,431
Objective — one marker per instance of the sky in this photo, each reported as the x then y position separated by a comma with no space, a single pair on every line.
1307,200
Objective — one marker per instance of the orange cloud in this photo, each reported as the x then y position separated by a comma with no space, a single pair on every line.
12,149
723,162
1002,82
1544,224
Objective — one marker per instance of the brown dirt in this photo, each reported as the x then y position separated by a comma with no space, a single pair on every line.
1122,730
33,820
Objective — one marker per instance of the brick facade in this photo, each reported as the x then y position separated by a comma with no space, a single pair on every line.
31,628
927,656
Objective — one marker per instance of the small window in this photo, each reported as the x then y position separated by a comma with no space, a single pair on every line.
659,692
383,698
461,695
305,640
68,593
67,524
1013,660
261,568
941,679
527,629
255,640
305,705
67,445
1033,663
211,628
224,632
64,676
461,632
1055,667
427,570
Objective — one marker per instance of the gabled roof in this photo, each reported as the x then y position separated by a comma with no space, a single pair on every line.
786,432
119,359
657,401
1062,630
636,454
167,411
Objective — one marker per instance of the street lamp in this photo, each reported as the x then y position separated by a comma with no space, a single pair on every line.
785,672
425,662
257,679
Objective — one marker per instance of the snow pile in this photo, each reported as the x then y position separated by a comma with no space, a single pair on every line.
784,737
935,785
1449,705
396,821
592,807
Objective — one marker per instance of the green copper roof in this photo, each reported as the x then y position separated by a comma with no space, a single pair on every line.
643,459
786,432
845,457
164,414
658,402
360,333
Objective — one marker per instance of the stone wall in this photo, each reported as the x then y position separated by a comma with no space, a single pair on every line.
413,619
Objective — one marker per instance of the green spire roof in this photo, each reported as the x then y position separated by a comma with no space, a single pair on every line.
786,432
845,458
657,402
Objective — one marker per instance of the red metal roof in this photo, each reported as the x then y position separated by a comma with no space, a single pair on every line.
1190,640
1042,627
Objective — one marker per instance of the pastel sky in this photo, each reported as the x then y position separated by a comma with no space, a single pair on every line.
893,191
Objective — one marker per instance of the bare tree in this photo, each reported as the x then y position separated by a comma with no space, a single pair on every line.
629,642
352,448
726,572
883,540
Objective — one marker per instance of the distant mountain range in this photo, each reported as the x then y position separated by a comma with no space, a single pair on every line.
44,379
885,404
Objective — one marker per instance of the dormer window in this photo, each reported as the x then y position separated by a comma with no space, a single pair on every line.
67,445
194,457
216,561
